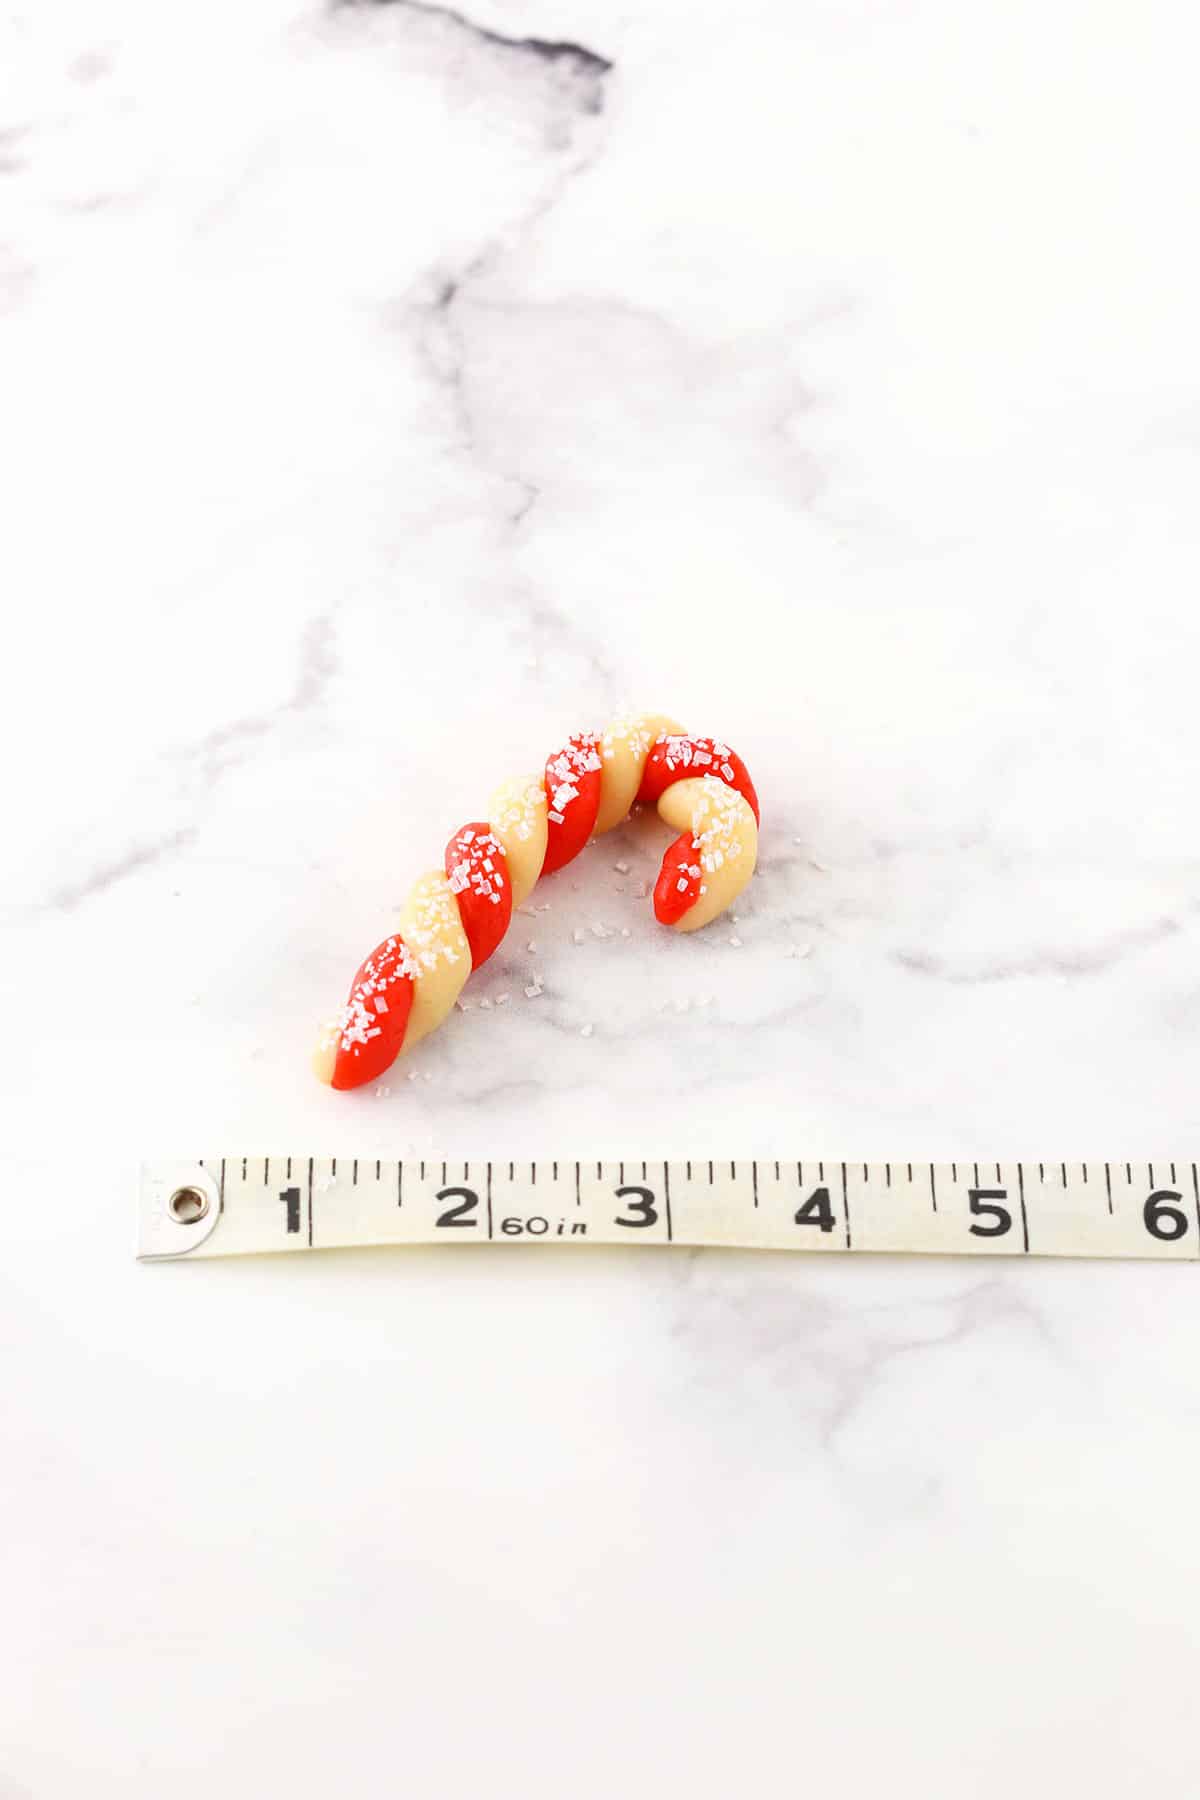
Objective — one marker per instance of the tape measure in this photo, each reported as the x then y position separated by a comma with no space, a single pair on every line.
235,1206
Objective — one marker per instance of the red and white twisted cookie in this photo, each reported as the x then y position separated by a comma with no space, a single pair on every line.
452,921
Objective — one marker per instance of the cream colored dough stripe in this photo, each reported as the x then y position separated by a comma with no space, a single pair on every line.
236,1206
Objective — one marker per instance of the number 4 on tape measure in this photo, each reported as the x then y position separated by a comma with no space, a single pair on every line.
230,1206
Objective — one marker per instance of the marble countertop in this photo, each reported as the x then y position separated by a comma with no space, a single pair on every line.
390,390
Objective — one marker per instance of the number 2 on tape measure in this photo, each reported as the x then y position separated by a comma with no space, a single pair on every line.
459,1216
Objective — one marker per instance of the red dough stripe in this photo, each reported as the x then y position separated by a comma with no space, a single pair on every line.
572,798
477,870
374,1019
678,886
677,758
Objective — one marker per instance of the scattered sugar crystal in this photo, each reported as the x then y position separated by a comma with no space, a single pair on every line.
533,990
485,1003
625,931
585,1031
577,935
736,942
501,999
622,868
531,946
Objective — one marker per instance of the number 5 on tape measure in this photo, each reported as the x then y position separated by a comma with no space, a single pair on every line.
230,1206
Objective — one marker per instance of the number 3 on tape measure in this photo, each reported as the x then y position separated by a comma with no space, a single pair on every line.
643,1206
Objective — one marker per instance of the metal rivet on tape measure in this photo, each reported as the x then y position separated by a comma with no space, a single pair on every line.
187,1204
242,1205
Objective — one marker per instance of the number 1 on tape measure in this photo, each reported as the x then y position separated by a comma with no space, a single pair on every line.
244,1205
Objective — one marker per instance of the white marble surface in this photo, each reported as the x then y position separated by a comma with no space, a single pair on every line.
382,399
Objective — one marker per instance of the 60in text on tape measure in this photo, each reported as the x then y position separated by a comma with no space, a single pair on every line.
231,1206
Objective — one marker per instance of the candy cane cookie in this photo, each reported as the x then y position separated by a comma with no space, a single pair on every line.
455,916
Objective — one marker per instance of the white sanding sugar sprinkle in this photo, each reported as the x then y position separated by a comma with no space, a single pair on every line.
585,1031
432,925
716,824
622,868
502,999
480,864
355,1024
736,942
577,935
628,729
625,931
517,805
533,990
531,946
